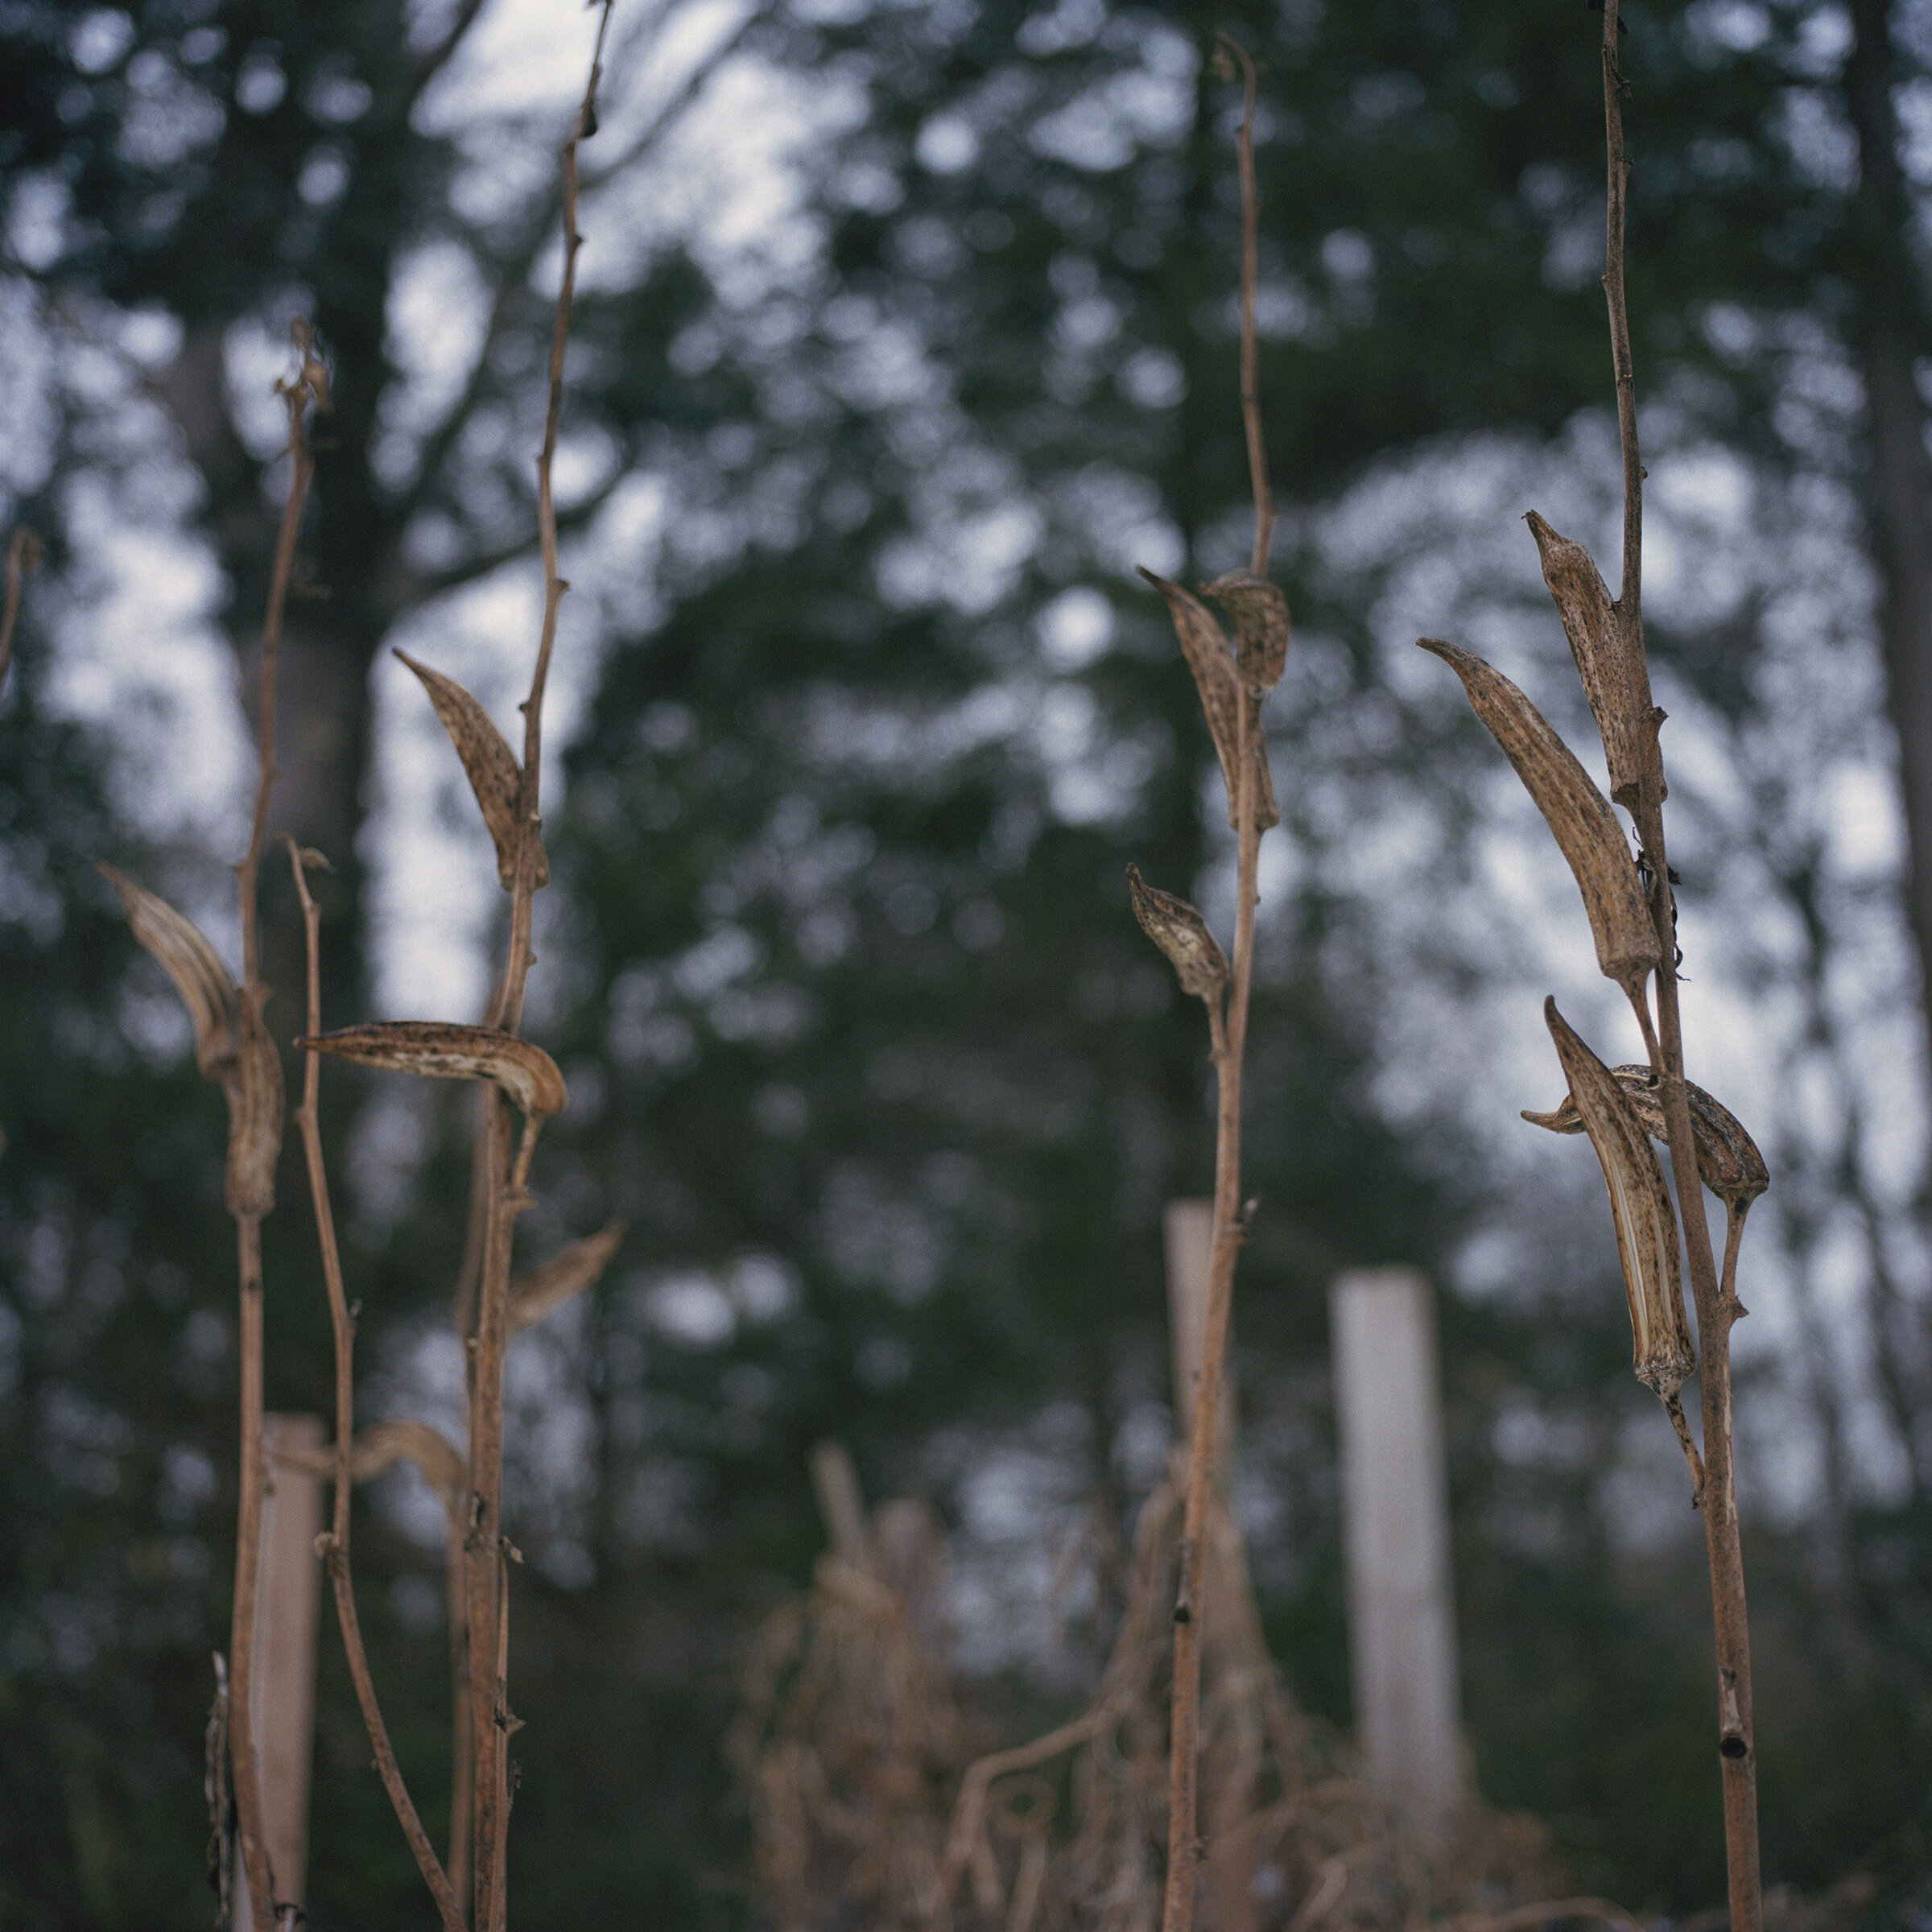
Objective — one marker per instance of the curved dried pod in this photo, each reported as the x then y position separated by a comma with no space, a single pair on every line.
1640,1206
1619,690
255,1107
1259,613
1210,658
1181,933
195,968
571,1269
494,775
1578,816
447,1051
1728,1162
381,1446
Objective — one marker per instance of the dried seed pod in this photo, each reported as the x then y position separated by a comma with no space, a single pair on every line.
573,1267
1259,613
194,966
1728,1162
1578,815
253,1087
1211,658
1181,933
232,1046
1618,691
527,1073
381,1446
1640,1206
494,774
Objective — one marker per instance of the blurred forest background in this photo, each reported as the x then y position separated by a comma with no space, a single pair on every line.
908,332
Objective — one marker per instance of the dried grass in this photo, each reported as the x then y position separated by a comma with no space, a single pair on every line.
853,1750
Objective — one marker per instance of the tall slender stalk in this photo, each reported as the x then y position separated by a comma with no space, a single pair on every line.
486,1551
335,1544
1228,1034
1717,1306
308,390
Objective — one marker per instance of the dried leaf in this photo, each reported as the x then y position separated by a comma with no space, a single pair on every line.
527,1073
1181,933
194,966
253,1087
1211,658
1728,1162
381,1446
494,774
1618,691
1640,1206
572,1269
1259,613
1579,816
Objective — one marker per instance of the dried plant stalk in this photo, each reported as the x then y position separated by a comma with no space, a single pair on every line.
343,1460
1228,1031
1607,642
1717,1304
485,1549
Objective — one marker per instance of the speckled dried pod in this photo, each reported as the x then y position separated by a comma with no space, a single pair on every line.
1640,1207
1619,691
1259,613
1578,816
494,775
195,968
253,1087
1728,1162
1181,933
1210,658
571,1269
527,1073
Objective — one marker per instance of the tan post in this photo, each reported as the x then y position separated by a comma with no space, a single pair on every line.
1187,1229
1395,1520
286,1616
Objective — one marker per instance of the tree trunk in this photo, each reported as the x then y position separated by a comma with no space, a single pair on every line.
1899,490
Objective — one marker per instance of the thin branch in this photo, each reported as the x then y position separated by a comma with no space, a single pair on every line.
1251,397
440,583
433,59
23,557
1183,1846
1716,1310
520,262
647,138
342,1323
309,389
486,1597
1228,1031
1630,593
